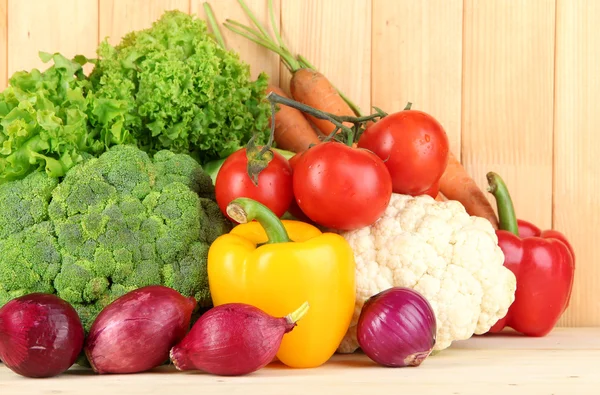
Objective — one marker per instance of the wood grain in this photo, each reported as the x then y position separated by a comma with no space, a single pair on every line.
118,17
3,44
66,26
259,58
508,95
577,169
335,36
417,57
563,363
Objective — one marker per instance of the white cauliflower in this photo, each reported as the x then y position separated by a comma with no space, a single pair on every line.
437,249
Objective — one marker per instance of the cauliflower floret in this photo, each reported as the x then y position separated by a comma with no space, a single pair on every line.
439,250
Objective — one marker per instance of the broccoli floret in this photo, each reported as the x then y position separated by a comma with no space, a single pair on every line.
24,202
29,262
113,224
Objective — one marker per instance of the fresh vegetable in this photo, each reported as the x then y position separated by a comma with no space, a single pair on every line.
440,251
341,187
213,167
44,120
307,85
397,328
40,335
178,89
336,185
293,132
234,339
113,224
312,88
414,147
136,332
257,173
276,265
543,263
457,184
294,209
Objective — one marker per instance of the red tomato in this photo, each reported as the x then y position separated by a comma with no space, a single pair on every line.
294,209
341,187
414,147
274,189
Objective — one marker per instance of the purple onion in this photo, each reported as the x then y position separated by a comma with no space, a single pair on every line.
41,335
234,339
397,327
135,332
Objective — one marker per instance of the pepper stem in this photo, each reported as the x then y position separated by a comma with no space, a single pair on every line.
506,210
244,210
295,316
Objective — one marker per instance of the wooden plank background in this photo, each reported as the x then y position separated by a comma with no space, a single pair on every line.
516,84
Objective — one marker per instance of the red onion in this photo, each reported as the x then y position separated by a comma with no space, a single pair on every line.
397,327
135,332
41,335
233,339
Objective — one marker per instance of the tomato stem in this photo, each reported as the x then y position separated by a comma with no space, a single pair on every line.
337,120
506,209
244,210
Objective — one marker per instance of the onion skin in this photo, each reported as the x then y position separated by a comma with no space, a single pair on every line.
136,331
233,339
397,328
41,335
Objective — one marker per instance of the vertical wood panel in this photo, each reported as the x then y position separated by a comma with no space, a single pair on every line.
259,58
66,26
118,17
577,169
3,43
417,57
508,80
335,36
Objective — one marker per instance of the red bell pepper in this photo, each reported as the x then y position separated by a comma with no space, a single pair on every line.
543,263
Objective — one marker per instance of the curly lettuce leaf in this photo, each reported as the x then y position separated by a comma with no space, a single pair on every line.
179,91
44,121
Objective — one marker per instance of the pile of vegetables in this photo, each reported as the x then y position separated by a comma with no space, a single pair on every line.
166,208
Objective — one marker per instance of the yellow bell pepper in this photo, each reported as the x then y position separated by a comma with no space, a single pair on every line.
276,265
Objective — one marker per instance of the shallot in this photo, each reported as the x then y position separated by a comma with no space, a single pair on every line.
234,339
135,332
41,335
397,327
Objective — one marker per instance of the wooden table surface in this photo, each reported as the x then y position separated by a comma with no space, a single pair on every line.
567,361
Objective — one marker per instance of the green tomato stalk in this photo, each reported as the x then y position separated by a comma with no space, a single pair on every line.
349,134
212,168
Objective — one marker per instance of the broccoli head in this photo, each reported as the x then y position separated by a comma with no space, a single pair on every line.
114,223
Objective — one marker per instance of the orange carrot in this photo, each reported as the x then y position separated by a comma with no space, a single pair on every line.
457,184
313,89
293,132
307,85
